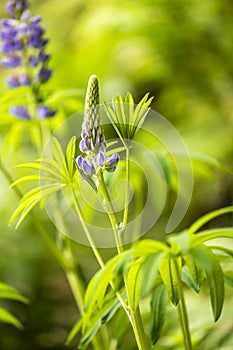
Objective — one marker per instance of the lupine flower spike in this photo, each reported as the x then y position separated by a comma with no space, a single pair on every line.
23,46
93,142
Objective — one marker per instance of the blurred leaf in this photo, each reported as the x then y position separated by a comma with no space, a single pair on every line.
158,312
133,281
169,276
70,153
96,289
93,324
31,178
225,250
150,273
215,277
74,331
31,198
208,217
148,247
192,273
228,277
7,317
226,232
8,292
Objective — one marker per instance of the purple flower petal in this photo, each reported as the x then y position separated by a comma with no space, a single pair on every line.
88,167
11,61
44,74
113,160
20,112
44,112
13,82
79,161
24,80
100,158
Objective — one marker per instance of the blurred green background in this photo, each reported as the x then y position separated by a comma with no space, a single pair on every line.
181,52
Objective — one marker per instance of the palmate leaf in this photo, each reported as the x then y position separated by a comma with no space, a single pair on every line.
53,175
31,198
126,117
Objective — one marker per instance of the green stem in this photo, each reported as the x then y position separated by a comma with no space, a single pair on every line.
66,263
183,311
127,176
138,329
93,246
85,228
110,211
134,316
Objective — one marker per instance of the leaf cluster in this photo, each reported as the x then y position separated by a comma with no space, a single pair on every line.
159,271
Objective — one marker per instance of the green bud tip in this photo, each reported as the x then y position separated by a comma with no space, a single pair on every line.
92,94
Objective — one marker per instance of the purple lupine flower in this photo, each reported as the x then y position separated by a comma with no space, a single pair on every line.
13,81
93,142
23,45
20,112
44,74
11,61
100,158
24,80
15,8
44,112
88,167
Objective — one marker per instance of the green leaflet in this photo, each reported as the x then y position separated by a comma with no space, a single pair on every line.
133,281
56,173
228,277
30,199
158,312
126,117
97,287
91,325
215,277
70,153
74,331
192,273
7,317
147,247
207,235
8,292
167,269
208,217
